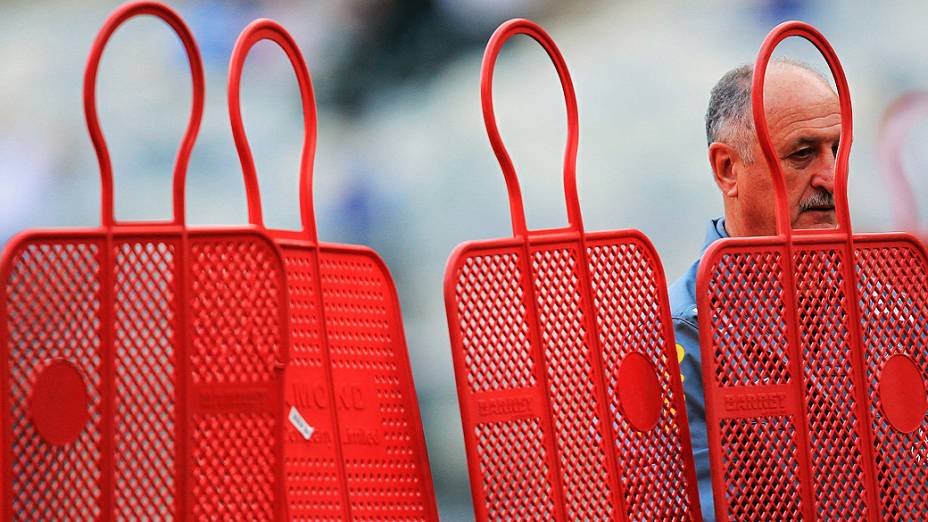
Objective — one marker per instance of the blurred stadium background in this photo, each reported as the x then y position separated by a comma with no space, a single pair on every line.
403,163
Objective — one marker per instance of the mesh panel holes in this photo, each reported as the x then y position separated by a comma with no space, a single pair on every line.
235,319
383,451
54,302
382,459
495,340
571,386
233,474
494,326
760,468
746,311
514,470
235,334
313,483
53,306
892,287
829,394
305,332
145,373
627,299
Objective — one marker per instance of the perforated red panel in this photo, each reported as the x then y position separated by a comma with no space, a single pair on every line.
514,470
142,363
580,436
235,369
760,464
828,385
749,334
381,432
315,483
748,329
56,308
590,461
376,460
494,327
893,315
146,369
234,306
495,353
52,297
245,489
893,290
746,340
814,361
355,448
627,292
564,357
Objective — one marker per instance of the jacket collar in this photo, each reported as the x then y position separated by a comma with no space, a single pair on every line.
714,232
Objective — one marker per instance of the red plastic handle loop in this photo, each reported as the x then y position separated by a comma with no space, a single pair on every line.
777,35
117,18
516,209
270,30
897,123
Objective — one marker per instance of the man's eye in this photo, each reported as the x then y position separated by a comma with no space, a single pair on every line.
801,154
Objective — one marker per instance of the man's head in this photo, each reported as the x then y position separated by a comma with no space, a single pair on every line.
804,119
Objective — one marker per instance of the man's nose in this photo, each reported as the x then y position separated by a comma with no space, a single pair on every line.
824,175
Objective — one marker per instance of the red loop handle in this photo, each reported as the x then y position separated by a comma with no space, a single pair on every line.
117,18
897,122
516,209
777,35
270,30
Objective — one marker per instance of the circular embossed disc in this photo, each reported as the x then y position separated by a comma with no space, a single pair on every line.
59,403
902,393
639,392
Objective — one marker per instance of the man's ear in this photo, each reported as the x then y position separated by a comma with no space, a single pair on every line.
722,158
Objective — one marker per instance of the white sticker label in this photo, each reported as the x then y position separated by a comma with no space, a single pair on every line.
300,423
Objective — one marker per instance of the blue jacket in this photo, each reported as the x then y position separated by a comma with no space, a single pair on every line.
686,328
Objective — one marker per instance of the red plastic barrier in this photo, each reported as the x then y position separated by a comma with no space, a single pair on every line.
354,446
564,358
908,110
814,354
142,363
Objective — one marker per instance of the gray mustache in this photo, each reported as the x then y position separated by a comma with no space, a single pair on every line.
819,199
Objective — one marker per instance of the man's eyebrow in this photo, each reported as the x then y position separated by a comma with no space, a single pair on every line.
809,140
804,141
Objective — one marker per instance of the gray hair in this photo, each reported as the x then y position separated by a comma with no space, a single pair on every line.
728,117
